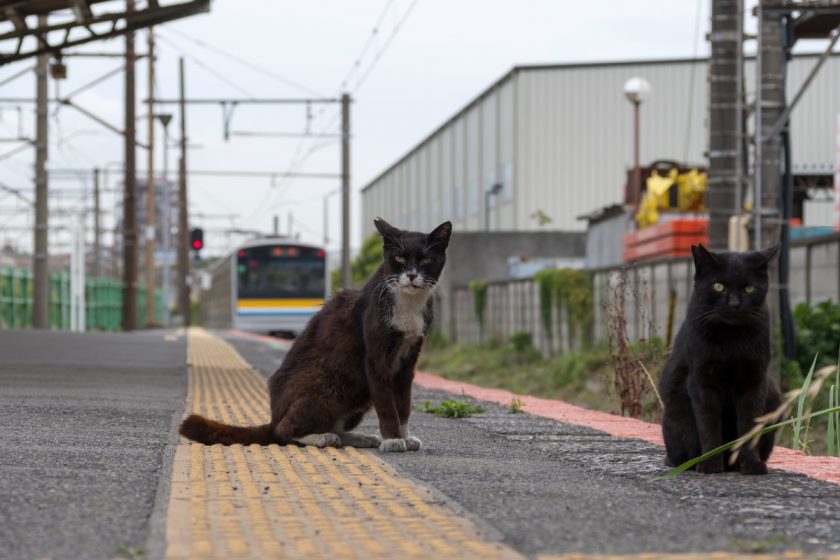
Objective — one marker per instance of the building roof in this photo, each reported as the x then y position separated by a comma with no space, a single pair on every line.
538,67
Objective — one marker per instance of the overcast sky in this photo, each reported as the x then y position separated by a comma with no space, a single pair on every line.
443,55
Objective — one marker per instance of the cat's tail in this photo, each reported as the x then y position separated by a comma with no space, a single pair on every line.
206,431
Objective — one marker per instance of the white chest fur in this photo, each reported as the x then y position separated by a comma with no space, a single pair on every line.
407,314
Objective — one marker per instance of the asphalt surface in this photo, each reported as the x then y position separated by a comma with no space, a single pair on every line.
85,420
550,487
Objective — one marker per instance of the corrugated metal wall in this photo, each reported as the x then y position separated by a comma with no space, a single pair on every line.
559,139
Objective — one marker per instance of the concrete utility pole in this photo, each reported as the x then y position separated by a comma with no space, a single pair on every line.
150,187
97,248
129,304
725,119
183,225
40,258
770,103
346,277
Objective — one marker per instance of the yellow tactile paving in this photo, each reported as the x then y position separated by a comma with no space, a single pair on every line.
292,502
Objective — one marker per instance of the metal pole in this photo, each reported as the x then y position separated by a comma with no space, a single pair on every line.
637,169
758,134
40,264
326,221
167,231
276,225
183,225
290,224
151,190
129,304
346,277
97,249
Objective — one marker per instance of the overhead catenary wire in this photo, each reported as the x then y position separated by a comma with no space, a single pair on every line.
298,160
244,62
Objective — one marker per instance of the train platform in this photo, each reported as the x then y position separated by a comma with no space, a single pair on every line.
91,467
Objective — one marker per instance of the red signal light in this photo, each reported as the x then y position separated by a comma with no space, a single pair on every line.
277,251
320,253
292,252
241,253
197,244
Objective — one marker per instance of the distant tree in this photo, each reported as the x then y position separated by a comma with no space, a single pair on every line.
365,263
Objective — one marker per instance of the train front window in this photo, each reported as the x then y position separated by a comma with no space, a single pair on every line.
276,272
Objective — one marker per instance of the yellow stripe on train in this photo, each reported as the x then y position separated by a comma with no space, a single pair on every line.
251,303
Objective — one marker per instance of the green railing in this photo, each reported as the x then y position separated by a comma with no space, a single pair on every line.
103,302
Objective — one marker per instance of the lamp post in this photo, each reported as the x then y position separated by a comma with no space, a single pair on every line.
164,119
636,90
492,191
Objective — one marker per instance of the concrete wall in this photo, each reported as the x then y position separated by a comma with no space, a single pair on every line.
484,256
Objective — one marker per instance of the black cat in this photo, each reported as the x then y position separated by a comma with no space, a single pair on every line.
715,381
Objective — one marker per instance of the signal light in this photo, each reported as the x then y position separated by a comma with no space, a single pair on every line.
197,239
320,253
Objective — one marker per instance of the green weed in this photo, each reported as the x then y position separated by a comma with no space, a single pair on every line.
515,405
452,409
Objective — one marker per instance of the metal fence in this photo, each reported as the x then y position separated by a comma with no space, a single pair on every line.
103,302
514,305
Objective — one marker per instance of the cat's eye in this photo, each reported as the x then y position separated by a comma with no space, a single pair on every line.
749,289
400,260
718,287
425,261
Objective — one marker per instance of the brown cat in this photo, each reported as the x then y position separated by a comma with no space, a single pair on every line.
359,350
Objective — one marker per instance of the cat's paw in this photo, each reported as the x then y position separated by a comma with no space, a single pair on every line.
395,445
712,465
320,440
752,467
360,440
413,444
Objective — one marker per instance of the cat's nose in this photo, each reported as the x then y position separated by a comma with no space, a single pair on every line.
734,301
411,275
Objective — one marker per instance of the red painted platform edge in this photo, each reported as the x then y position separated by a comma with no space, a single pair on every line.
822,468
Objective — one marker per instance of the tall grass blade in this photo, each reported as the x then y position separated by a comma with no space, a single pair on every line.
832,427
800,407
676,471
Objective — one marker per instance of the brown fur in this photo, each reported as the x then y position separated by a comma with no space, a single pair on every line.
352,355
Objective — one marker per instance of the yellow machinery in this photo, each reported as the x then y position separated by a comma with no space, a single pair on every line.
682,192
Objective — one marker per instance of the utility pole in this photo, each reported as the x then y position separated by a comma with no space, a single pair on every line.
151,191
97,249
724,119
346,277
770,103
40,264
183,225
129,304
276,225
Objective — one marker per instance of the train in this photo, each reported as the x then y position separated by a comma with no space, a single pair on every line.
270,285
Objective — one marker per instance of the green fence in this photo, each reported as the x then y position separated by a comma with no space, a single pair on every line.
103,302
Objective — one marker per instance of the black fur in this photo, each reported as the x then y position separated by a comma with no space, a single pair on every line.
715,382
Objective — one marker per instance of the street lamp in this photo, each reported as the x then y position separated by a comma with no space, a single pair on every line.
492,191
636,90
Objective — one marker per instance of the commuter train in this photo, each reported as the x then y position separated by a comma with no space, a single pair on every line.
267,285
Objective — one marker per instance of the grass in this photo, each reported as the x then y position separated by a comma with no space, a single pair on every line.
583,378
452,409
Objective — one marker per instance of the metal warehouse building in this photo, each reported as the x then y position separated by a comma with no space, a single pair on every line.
558,138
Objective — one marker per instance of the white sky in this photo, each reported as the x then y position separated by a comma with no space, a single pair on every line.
446,53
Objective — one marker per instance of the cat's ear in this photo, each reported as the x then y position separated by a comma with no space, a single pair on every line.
439,238
390,234
766,255
703,258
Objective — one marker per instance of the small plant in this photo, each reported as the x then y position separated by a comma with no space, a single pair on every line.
522,342
758,547
515,405
452,409
130,552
